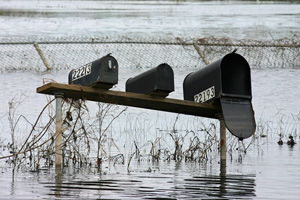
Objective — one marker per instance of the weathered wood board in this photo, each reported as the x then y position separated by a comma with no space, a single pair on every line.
132,99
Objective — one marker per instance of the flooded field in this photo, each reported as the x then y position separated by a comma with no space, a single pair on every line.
234,19
267,171
257,168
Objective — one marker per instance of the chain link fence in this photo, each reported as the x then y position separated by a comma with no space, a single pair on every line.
69,53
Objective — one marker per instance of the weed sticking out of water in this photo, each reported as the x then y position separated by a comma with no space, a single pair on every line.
89,137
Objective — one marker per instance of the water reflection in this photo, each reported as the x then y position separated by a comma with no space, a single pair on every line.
156,186
58,180
225,186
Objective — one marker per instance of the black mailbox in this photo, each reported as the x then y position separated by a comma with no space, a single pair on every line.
101,73
157,81
226,81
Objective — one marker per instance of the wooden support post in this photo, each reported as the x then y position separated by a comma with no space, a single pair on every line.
222,154
222,141
201,54
58,134
38,49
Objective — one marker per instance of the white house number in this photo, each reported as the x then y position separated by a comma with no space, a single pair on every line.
205,95
82,71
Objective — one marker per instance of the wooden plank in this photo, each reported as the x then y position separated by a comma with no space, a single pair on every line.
132,99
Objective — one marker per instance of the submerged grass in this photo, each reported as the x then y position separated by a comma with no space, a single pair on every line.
88,138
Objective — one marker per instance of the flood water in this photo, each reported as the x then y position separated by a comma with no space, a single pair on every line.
234,19
266,171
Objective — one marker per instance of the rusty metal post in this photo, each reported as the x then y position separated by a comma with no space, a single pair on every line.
58,134
222,141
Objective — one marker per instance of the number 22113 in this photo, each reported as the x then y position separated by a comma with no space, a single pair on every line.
81,72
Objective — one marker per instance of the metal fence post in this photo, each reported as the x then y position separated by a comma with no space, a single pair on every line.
58,138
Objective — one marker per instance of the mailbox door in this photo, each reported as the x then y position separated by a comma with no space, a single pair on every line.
236,96
109,70
238,116
165,78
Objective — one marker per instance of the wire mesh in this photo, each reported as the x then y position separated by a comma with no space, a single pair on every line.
69,53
